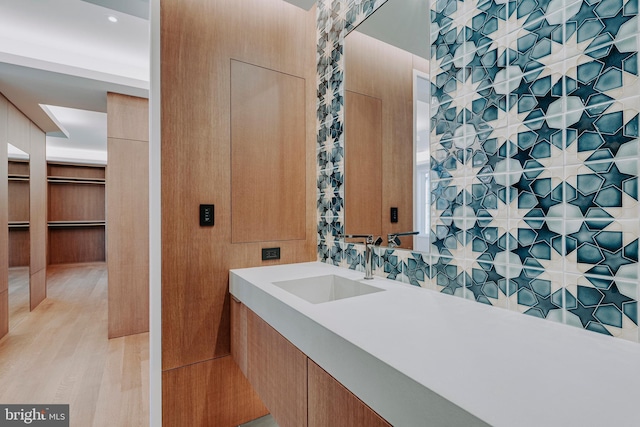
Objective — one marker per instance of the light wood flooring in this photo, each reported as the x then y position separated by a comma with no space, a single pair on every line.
18,295
59,353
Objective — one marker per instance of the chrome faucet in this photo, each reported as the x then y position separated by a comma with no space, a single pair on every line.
393,239
368,251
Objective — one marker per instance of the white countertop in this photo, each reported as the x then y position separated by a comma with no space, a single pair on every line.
419,358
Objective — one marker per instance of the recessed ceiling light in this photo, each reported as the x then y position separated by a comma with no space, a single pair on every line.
112,18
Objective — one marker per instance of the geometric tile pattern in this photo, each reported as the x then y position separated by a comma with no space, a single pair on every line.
334,20
603,305
534,138
535,134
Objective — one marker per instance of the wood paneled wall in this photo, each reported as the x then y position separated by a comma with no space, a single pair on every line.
19,246
4,221
76,244
268,203
76,210
37,216
379,70
17,129
76,171
363,187
199,39
127,214
19,167
18,205
76,202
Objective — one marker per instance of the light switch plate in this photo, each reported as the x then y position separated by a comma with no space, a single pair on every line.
207,215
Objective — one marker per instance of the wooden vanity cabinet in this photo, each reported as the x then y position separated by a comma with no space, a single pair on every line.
332,405
294,388
276,369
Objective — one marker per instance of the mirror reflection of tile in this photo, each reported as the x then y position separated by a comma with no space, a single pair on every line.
534,157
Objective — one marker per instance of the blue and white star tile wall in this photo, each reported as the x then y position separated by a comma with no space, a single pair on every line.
333,19
353,257
560,77
534,292
417,270
534,144
603,305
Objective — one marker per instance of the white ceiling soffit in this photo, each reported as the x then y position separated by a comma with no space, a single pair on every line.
27,88
401,23
87,136
63,133
67,53
139,8
15,153
86,129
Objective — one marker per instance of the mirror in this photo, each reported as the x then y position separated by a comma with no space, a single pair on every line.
19,246
422,157
383,57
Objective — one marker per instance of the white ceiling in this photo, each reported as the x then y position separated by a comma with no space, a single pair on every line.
16,154
66,53
88,130
139,8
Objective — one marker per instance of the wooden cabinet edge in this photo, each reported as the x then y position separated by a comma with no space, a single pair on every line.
239,334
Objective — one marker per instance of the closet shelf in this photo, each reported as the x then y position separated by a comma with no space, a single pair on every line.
72,180
18,224
75,224
18,177
76,213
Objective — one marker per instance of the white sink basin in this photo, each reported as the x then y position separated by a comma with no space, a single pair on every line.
319,289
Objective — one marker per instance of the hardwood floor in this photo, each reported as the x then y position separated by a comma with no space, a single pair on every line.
59,353
18,295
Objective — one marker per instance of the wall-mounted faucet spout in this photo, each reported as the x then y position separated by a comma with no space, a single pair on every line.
368,251
394,239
